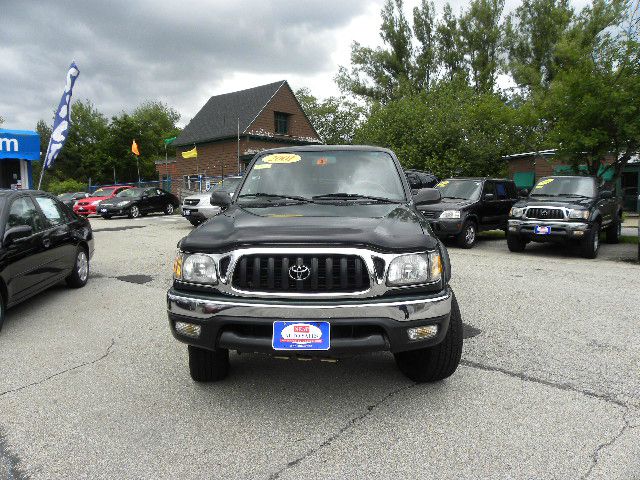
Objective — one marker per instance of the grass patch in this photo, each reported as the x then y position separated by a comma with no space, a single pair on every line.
629,239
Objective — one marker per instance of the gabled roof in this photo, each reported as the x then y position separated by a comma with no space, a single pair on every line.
219,117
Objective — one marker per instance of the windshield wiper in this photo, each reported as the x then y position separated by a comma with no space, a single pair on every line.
273,195
352,196
572,195
541,195
456,198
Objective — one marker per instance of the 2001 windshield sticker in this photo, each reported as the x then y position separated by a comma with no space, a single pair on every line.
281,158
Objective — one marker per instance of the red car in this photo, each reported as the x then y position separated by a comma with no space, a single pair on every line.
87,206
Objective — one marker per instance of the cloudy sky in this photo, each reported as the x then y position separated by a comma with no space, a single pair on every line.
179,52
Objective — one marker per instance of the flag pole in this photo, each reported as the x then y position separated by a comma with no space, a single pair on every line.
166,164
238,145
41,173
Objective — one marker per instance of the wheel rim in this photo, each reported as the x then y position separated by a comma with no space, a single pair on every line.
470,235
169,209
134,211
82,265
620,228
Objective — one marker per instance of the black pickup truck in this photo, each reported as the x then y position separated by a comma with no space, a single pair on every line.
323,254
566,209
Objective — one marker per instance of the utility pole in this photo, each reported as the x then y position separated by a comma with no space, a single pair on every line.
238,145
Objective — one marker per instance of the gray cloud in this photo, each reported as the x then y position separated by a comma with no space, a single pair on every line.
178,52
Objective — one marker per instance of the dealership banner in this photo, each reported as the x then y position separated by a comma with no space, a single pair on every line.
19,144
60,129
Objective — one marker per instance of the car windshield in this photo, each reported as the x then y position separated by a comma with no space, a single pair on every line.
565,186
130,193
228,185
460,189
103,192
330,175
66,196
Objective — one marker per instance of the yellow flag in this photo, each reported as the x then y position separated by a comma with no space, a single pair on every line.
190,153
134,148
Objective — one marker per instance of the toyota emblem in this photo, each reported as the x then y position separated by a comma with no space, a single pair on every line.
299,272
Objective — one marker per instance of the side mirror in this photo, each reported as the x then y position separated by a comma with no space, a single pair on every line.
606,194
220,199
523,192
426,196
16,233
487,197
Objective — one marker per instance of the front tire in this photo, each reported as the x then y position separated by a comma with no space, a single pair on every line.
195,223
515,243
590,244
134,212
436,363
106,217
2,310
467,237
80,275
208,365
614,231
168,209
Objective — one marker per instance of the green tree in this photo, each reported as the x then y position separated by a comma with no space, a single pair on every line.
451,130
481,32
424,29
450,46
335,119
531,38
593,105
382,74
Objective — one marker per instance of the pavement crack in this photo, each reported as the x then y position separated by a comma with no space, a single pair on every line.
595,456
351,423
561,386
57,374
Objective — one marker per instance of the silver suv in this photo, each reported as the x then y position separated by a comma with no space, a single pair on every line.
197,208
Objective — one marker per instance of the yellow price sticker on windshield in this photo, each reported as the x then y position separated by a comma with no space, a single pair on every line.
261,166
443,183
545,182
281,158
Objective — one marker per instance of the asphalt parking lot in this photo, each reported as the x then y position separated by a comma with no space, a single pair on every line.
93,385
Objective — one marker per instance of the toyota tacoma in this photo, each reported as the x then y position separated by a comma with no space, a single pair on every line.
321,253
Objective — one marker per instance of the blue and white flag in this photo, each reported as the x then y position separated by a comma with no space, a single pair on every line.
61,122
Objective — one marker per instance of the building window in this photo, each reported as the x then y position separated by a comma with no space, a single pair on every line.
282,123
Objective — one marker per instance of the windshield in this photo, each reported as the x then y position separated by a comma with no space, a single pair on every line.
460,189
130,193
66,196
228,185
103,192
565,186
352,174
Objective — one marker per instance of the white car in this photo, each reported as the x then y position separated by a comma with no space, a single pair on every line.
197,208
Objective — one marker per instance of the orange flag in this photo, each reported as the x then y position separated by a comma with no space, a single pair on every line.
134,148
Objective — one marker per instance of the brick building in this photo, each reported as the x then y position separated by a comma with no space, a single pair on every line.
231,128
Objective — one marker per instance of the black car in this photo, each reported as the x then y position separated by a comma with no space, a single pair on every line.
70,198
469,206
43,242
136,202
321,253
419,179
566,209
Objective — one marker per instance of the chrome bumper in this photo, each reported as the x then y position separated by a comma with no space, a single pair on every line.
401,311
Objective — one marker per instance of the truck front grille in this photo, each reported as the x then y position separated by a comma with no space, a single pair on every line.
302,274
545,213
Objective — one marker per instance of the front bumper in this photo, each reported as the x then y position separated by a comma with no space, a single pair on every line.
200,212
112,210
560,230
446,227
357,326
85,209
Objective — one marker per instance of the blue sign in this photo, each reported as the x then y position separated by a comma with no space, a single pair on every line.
301,335
22,144
62,119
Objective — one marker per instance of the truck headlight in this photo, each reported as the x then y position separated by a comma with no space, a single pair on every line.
516,212
415,269
450,214
579,214
196,268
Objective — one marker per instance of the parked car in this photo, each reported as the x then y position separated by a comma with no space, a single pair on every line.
469,206
198,208
565,209
419,179
139,201
88,206
321,253
70,198
43,242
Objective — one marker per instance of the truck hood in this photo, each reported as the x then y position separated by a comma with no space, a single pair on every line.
566,202
446,204
385,227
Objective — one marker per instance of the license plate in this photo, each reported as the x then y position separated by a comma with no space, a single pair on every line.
186,212
301,335
103,210
542,230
